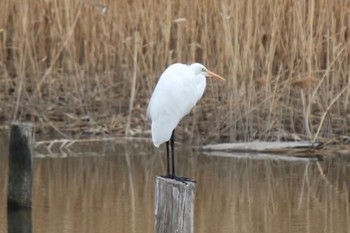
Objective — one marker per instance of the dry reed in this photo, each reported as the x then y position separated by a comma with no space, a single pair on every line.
89,68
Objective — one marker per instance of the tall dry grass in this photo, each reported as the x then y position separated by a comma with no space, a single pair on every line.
88,67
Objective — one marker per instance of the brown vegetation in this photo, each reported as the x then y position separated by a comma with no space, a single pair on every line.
82,67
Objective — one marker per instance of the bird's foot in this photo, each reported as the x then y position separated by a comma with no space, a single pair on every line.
183,179
179,178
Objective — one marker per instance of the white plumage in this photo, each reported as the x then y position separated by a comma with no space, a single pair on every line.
177,92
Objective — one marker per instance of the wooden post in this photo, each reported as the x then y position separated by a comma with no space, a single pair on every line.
20,177
19,220
174,206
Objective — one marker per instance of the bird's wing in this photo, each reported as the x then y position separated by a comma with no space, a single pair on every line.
171,100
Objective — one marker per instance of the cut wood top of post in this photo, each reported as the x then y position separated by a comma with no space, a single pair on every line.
176,182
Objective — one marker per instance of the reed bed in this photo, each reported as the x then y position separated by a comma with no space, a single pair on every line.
87,68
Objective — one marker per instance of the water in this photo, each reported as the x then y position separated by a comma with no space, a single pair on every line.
109,187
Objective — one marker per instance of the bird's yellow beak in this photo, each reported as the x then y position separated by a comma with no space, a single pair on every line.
212,74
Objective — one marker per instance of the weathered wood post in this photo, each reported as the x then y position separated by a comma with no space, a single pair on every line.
20,177
19,220
174,206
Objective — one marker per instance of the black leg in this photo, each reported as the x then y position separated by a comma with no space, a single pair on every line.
172,174
172,142
167,159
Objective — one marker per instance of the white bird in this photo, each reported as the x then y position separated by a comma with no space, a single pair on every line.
176,93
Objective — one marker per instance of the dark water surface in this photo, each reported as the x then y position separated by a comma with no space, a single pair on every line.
109,187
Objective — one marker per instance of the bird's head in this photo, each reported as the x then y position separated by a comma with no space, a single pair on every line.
200,69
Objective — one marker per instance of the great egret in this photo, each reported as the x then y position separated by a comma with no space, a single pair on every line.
176,93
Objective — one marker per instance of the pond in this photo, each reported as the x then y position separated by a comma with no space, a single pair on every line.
109,187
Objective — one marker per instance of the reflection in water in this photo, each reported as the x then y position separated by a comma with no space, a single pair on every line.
114,192
19,220
94,194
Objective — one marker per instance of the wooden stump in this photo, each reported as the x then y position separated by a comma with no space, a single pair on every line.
20,177
174,206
